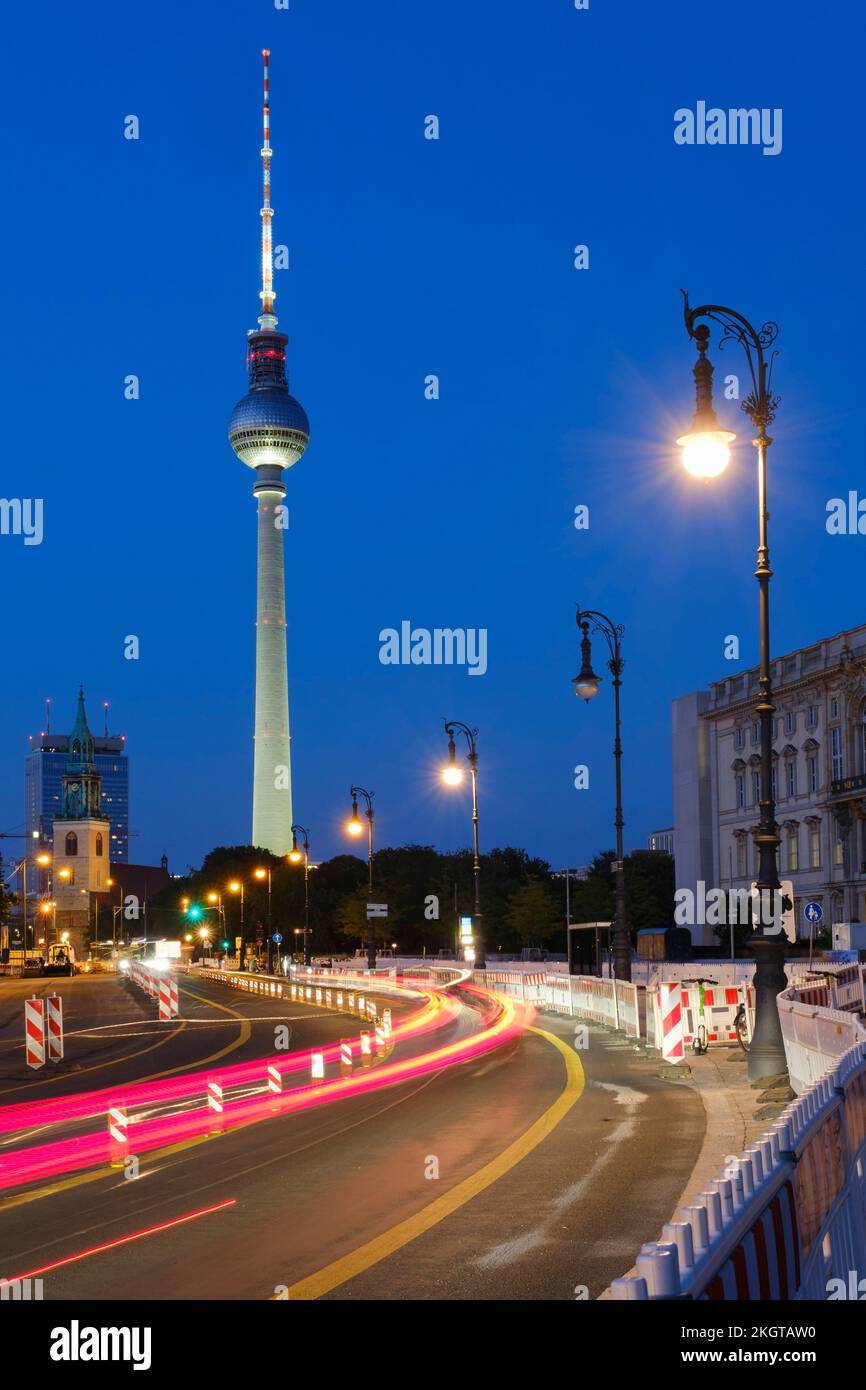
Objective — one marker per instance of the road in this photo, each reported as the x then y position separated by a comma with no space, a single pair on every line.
532,1172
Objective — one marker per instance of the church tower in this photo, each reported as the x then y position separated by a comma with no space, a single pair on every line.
82,839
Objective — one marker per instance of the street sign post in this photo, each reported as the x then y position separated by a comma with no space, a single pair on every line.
377,910
277,938
814,914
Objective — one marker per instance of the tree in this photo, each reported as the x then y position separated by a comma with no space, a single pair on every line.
532,913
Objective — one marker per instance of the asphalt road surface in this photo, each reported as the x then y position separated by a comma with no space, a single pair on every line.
533,1172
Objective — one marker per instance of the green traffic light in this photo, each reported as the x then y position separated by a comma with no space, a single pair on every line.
195,912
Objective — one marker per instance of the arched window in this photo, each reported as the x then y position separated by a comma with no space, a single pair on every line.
76,748
99,842
71,844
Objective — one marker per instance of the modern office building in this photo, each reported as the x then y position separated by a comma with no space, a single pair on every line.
269,431
819,779
44,767
662,840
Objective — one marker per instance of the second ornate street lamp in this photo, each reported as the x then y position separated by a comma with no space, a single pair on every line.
586,687
296,857
355,827
706,454
453,775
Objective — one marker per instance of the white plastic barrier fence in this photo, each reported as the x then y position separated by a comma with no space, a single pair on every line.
612,1003
786,1217
815,1037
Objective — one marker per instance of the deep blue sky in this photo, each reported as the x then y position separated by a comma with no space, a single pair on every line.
410,257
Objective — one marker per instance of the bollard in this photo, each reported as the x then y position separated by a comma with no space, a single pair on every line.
275,1083
118,1132
55,1028
386,1020
346,1057
366,1056
34,1031
173,998
380,1039
215,1105
164,1001
317,1066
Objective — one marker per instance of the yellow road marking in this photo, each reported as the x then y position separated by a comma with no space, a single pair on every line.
316,1285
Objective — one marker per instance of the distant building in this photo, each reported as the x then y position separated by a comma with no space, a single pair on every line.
819,779
43,787
661,840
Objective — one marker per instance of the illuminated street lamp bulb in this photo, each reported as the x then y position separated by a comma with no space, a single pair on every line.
452,775
234,887
45,859
706,454
203,933
586,685
295,854
261,873
212,897
354,826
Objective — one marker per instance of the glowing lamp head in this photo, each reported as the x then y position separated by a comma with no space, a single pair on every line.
452,773
234,887
294,853
706,453
261,873
586,685
354,826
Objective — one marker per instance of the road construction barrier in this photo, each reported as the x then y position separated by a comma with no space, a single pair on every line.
339,999
346,1056
118,1135
366,1051
275,1081
34,1031
174,1003
386,1022
670,1005
786,1220
815,1037
328,998
352,1003
317,1066
215,1105
54,1027
164,1000
380,1038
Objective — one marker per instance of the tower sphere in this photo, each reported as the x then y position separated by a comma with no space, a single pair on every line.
269,427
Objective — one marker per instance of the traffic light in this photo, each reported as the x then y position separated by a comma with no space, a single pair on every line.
194,912
225,945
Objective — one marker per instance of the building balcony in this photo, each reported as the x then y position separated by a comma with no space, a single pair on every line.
843,786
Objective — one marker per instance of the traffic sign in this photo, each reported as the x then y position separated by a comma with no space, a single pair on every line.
377,909
277,937
814,913
766,908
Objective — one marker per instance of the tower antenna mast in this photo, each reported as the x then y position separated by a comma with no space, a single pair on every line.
267,296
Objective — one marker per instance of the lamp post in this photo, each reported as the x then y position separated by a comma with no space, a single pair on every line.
263,874
452,775
355,827
238,887
586,686
296,857
705,455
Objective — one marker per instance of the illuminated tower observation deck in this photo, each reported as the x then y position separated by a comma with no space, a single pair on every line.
269,431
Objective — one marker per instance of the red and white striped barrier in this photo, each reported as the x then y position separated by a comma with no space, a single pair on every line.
174,1001
215,1104
346,1056
34,1031
366,1050
164,1000
317,1066
55,1027
671,1014
275,1081
118,1135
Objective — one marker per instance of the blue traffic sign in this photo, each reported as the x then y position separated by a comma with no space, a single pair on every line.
277,937
814,913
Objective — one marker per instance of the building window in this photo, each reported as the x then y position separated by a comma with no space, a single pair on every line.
838,852
836,752
834,708
739,740
740,784
756,788
789,723
774,782
793,851
791,778
99,842
755,734
742,865
811,716
814,846
71,844
812,771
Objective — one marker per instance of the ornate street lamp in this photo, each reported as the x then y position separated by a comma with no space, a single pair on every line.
705,454
355,827
452,775
586,687
296,856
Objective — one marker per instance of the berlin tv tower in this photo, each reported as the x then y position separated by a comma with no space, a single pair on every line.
269,432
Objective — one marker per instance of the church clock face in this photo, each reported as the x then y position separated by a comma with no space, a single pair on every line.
73,786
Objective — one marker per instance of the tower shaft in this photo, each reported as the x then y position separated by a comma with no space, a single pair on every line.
272,777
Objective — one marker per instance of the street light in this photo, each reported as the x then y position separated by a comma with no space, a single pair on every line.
236,887
355,827
296,856
767,1050
586,687
452,776
263,874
